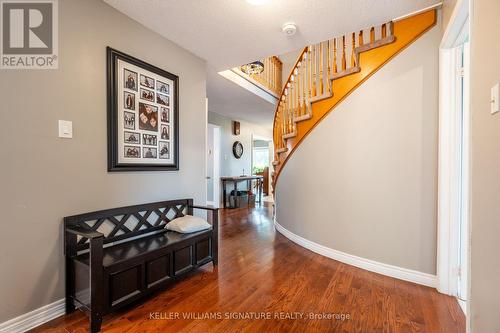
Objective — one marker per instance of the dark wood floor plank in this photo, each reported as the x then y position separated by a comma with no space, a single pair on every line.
261,271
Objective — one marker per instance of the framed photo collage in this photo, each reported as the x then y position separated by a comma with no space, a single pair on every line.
142,115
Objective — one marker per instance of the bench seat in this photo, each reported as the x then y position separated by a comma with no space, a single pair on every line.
115,257
116,254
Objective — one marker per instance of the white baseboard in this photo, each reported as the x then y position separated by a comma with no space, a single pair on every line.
210,203
34,318
370,265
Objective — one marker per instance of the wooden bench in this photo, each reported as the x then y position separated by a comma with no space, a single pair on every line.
116,256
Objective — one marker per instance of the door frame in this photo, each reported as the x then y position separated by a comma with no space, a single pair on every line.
216,198
271,155
454,158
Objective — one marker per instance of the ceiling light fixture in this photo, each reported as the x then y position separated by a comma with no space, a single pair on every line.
257,2
253,68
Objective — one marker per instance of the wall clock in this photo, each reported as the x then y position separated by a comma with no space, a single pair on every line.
237,149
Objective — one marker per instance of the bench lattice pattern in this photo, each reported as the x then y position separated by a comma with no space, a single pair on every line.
128,224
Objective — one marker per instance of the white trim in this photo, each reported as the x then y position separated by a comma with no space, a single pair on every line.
207,125
34,318
217,166
436,6
448,175
254,82
465,190
451,177
370,265
459,18
215,151
244,83
463,305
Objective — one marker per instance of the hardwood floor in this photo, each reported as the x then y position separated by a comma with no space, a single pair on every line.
261,273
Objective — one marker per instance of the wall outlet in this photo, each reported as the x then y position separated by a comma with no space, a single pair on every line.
65,129
495,98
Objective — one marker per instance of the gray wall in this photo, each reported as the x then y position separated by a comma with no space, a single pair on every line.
229,165
485,169
44,178
365,180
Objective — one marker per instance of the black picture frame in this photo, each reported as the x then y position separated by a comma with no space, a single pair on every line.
113,91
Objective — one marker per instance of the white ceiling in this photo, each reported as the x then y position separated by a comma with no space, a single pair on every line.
227,33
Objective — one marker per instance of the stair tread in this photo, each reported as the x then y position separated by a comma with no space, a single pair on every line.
378,43
349,71
320,97
281,150
303,117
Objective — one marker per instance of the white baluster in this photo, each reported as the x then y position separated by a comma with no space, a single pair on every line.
325,67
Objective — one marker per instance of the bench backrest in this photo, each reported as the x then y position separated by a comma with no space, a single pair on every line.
118,224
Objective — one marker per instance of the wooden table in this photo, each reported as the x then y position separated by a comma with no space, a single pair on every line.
236,180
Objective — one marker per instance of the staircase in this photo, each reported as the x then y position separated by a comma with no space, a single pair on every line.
327,72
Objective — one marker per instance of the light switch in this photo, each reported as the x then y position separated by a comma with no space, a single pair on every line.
495,98
65,129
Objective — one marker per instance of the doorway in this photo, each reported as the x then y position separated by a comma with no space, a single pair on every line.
213,165
262,153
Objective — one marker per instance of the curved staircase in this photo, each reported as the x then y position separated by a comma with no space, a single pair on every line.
326,73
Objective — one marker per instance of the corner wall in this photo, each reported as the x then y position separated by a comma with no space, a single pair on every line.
44,178
364,182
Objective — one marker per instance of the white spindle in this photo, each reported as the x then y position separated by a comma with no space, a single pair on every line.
325,67
309,73
299,93
317,49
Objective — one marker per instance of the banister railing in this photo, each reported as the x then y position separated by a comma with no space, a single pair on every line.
311,78
270,79
331,70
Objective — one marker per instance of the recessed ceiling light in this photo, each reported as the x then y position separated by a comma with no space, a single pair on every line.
257,2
